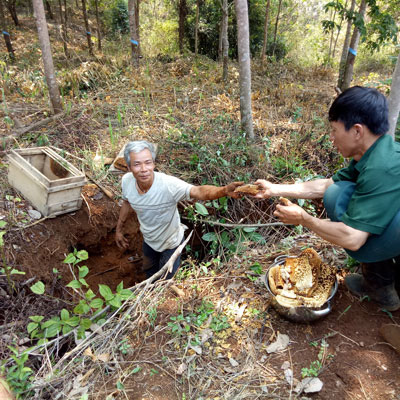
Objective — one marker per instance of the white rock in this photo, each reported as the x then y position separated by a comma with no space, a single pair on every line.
309,385
233,362
281,343
289,376
34,214
285,365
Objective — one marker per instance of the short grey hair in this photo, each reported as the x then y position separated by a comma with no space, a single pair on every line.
136,147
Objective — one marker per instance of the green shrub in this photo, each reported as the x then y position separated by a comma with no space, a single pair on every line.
120,17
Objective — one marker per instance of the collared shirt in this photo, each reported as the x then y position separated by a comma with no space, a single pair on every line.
376,198
157,210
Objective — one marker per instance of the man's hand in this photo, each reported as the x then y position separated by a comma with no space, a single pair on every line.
230,190
265,189
289,213
121,240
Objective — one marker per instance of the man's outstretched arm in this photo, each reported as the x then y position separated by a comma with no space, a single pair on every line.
121,240
210,192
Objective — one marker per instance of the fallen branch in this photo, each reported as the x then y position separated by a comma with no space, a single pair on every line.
210,222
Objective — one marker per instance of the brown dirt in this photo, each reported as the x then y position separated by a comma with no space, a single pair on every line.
361,365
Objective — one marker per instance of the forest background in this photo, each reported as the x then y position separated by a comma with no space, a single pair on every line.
175,73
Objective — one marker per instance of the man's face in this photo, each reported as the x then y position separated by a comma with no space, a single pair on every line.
344,140
142,167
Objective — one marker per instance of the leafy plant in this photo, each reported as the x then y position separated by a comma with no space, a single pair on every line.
317,365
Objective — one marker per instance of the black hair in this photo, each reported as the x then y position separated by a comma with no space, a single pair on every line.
361,105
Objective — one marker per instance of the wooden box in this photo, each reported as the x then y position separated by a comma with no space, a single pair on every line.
48,181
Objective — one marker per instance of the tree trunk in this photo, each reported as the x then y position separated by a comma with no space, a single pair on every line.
266,22
345,50
394,99
133,11
48,9
44,40
88,34
338,31
6,35
66,19
63,29
221,27
276,26
196,29
331,38
351,56
13,11
96,2
182,17
225,41
242,17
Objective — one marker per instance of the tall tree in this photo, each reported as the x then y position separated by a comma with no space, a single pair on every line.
196,29
266,22
96,2
276,25
88,33
133,12
352,53
346,43
394,99
63,28
225,41
6,35
44,41
242,17
13,11
183,11
66,19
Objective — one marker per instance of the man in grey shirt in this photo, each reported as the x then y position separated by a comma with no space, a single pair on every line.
154,197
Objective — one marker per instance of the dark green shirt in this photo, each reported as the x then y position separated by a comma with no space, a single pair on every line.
376,198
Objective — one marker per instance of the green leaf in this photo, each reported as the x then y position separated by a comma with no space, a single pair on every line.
84,283
2,224
116,301
106,292
73,321
66,329
70,259
249,229
64,314
82,255
96,303
52,330
89,294
209,237
74,284
83,271
32,326
85,323
50,322
36,318
81,308
17,272
120,386
136,370
38,287
125,294
120,286
201,209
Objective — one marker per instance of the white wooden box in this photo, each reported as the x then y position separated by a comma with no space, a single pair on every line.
48,181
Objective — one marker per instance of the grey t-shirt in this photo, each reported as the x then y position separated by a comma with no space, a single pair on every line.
157,210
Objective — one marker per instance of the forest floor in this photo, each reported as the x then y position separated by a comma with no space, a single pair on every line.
156,348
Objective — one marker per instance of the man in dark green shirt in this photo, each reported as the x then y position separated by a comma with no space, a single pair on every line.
362,200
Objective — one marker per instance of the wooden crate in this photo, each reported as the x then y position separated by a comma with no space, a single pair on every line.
48,181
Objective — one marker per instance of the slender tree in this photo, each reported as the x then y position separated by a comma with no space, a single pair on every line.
66,19
196,29
48,9
394,99
88,33
243,34
346,43
276,25
6,35
133,11
96,2
351,56
183,11
266,22
44,41
339,28
13,11
63,29
225,41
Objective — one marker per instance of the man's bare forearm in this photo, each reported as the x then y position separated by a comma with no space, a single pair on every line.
126,209
302,190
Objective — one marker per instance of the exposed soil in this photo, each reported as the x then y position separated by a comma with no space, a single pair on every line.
358,364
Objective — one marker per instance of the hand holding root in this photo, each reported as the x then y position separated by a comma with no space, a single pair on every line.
230,190
288,212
